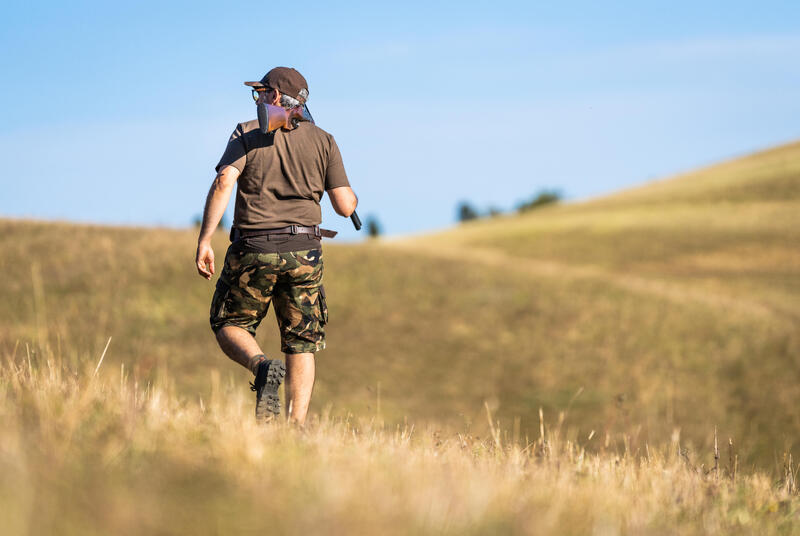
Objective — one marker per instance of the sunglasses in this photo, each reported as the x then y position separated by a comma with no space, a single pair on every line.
258,91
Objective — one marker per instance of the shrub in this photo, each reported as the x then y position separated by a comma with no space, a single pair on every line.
544,197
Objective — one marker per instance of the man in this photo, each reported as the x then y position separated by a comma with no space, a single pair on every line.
275,255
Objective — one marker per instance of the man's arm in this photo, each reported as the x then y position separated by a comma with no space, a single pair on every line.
216,202
343,199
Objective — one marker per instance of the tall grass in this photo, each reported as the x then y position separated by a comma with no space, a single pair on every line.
85,453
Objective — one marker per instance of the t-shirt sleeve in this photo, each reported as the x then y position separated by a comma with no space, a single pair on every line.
335,177
235,153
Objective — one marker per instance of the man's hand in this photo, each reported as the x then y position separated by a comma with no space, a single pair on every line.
205,259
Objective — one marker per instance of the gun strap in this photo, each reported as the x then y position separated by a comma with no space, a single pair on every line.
327,233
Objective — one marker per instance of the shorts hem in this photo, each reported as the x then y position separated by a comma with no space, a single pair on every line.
216,327
303,348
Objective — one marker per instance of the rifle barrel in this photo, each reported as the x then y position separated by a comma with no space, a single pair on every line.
356,220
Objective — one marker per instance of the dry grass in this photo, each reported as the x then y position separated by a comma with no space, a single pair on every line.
86,454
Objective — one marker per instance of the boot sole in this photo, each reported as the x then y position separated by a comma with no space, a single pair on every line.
270,405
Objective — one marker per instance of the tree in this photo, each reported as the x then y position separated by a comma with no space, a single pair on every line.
466,212
373,227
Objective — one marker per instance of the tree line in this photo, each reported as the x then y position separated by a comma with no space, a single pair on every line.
466,211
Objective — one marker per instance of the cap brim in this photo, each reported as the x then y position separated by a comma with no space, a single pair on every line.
254,84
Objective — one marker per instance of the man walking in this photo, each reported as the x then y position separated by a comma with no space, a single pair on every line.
275,255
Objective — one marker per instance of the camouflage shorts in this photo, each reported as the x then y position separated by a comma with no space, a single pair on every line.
292,281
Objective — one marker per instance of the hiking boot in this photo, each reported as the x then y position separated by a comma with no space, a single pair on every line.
268,378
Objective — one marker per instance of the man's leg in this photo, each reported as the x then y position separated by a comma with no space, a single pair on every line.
240,346
299,384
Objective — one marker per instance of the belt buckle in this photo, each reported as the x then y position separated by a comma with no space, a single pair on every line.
293,229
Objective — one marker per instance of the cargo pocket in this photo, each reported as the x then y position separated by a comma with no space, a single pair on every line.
323,306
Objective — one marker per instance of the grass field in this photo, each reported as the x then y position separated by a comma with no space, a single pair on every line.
639,323
85,455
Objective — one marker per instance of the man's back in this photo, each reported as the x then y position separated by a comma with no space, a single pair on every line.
283,174
275,257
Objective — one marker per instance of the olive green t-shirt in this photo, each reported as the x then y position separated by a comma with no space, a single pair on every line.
283,174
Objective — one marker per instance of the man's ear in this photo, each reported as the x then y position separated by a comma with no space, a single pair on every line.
277,100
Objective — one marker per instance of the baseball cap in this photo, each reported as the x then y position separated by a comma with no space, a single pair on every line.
286,80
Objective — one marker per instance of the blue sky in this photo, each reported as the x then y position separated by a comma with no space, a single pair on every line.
117,113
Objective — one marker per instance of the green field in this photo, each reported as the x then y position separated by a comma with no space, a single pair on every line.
646,318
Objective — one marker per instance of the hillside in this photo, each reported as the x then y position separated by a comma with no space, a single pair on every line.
670,306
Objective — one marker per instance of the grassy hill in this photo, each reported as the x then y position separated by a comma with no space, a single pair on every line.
670,306
638,323
682,296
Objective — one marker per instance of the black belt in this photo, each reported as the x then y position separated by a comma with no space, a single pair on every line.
314,231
